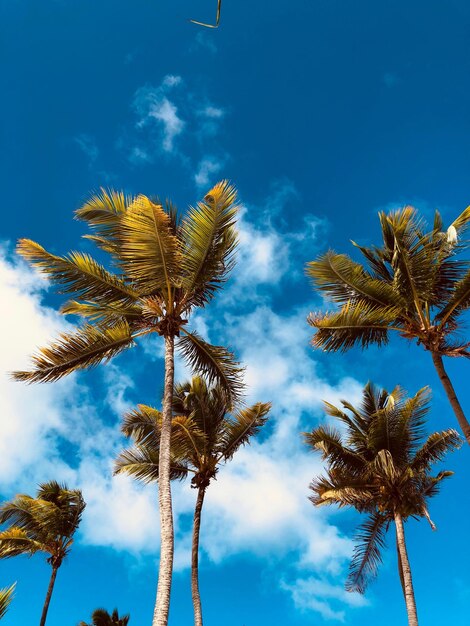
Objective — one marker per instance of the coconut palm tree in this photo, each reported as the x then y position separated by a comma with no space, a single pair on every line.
205,434
415,283
166,268
6,596
46,523
100,617
380,465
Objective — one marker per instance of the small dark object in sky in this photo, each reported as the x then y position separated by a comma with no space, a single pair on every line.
217,18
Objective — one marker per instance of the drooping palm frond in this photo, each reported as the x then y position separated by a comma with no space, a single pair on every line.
149,252
215,363
210,239
80,274
6,596
367,557
236,431
353,324
87,347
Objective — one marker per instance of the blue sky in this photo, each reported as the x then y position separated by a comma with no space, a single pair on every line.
322,113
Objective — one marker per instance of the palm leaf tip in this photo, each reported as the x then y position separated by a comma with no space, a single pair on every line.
86,348
367,554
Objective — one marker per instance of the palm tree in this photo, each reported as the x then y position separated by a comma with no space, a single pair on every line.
6,596
46,523
166,268
100,617
205,434
415,284
380,465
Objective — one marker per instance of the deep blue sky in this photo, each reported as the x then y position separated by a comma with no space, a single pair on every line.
320,112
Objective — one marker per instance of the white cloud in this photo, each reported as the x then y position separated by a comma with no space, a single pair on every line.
205,170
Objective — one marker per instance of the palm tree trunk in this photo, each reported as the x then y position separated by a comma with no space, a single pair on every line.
195,558
48,596
451,395
407,582
162,604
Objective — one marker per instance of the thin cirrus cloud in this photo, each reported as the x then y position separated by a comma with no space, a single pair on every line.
260,499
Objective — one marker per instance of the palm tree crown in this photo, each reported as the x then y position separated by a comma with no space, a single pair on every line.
380,465
204,434
415,284
166,266
101,617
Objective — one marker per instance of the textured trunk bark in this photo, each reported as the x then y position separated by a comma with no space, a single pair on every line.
407,583
451,395
195,559
48,596
162,604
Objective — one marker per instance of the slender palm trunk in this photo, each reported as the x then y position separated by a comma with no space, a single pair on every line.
48,596
407,582
195,558
451,395
162,604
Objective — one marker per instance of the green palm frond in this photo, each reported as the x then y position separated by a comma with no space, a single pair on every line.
458,302
370,541
215,363
149,252
141,462
6,596
103,212
106,314
78,273
210,240
237,431
142,423
87,347
357,324
344,280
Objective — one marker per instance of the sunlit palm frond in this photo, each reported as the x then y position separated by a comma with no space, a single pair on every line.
238,430
15,541
149,252
370,541
78,273
210,240
6,596
215,363
87,347
107,314
142,423
352,325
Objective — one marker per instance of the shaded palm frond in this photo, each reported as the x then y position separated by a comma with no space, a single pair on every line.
370,541
328,441
210,240
87,347
149,252
238,430
458,302
141,462
142,423
78,273
434,449
216,363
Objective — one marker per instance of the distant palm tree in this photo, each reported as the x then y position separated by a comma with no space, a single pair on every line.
380,466
6,596
205,434
46,523
100,617
166,268
415,284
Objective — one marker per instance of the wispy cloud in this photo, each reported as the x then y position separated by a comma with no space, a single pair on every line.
206,170
87,145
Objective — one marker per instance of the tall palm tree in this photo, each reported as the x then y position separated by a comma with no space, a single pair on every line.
166,267
415,283
46,523
380,465
101,617
6,596
205,433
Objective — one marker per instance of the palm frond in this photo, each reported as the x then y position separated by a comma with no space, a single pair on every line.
238,430
149,252
215,363
458,302
351,325
210,240
434,449
6,596
328,441
107,314
88,347
141,463
15,541
370,541
78,273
